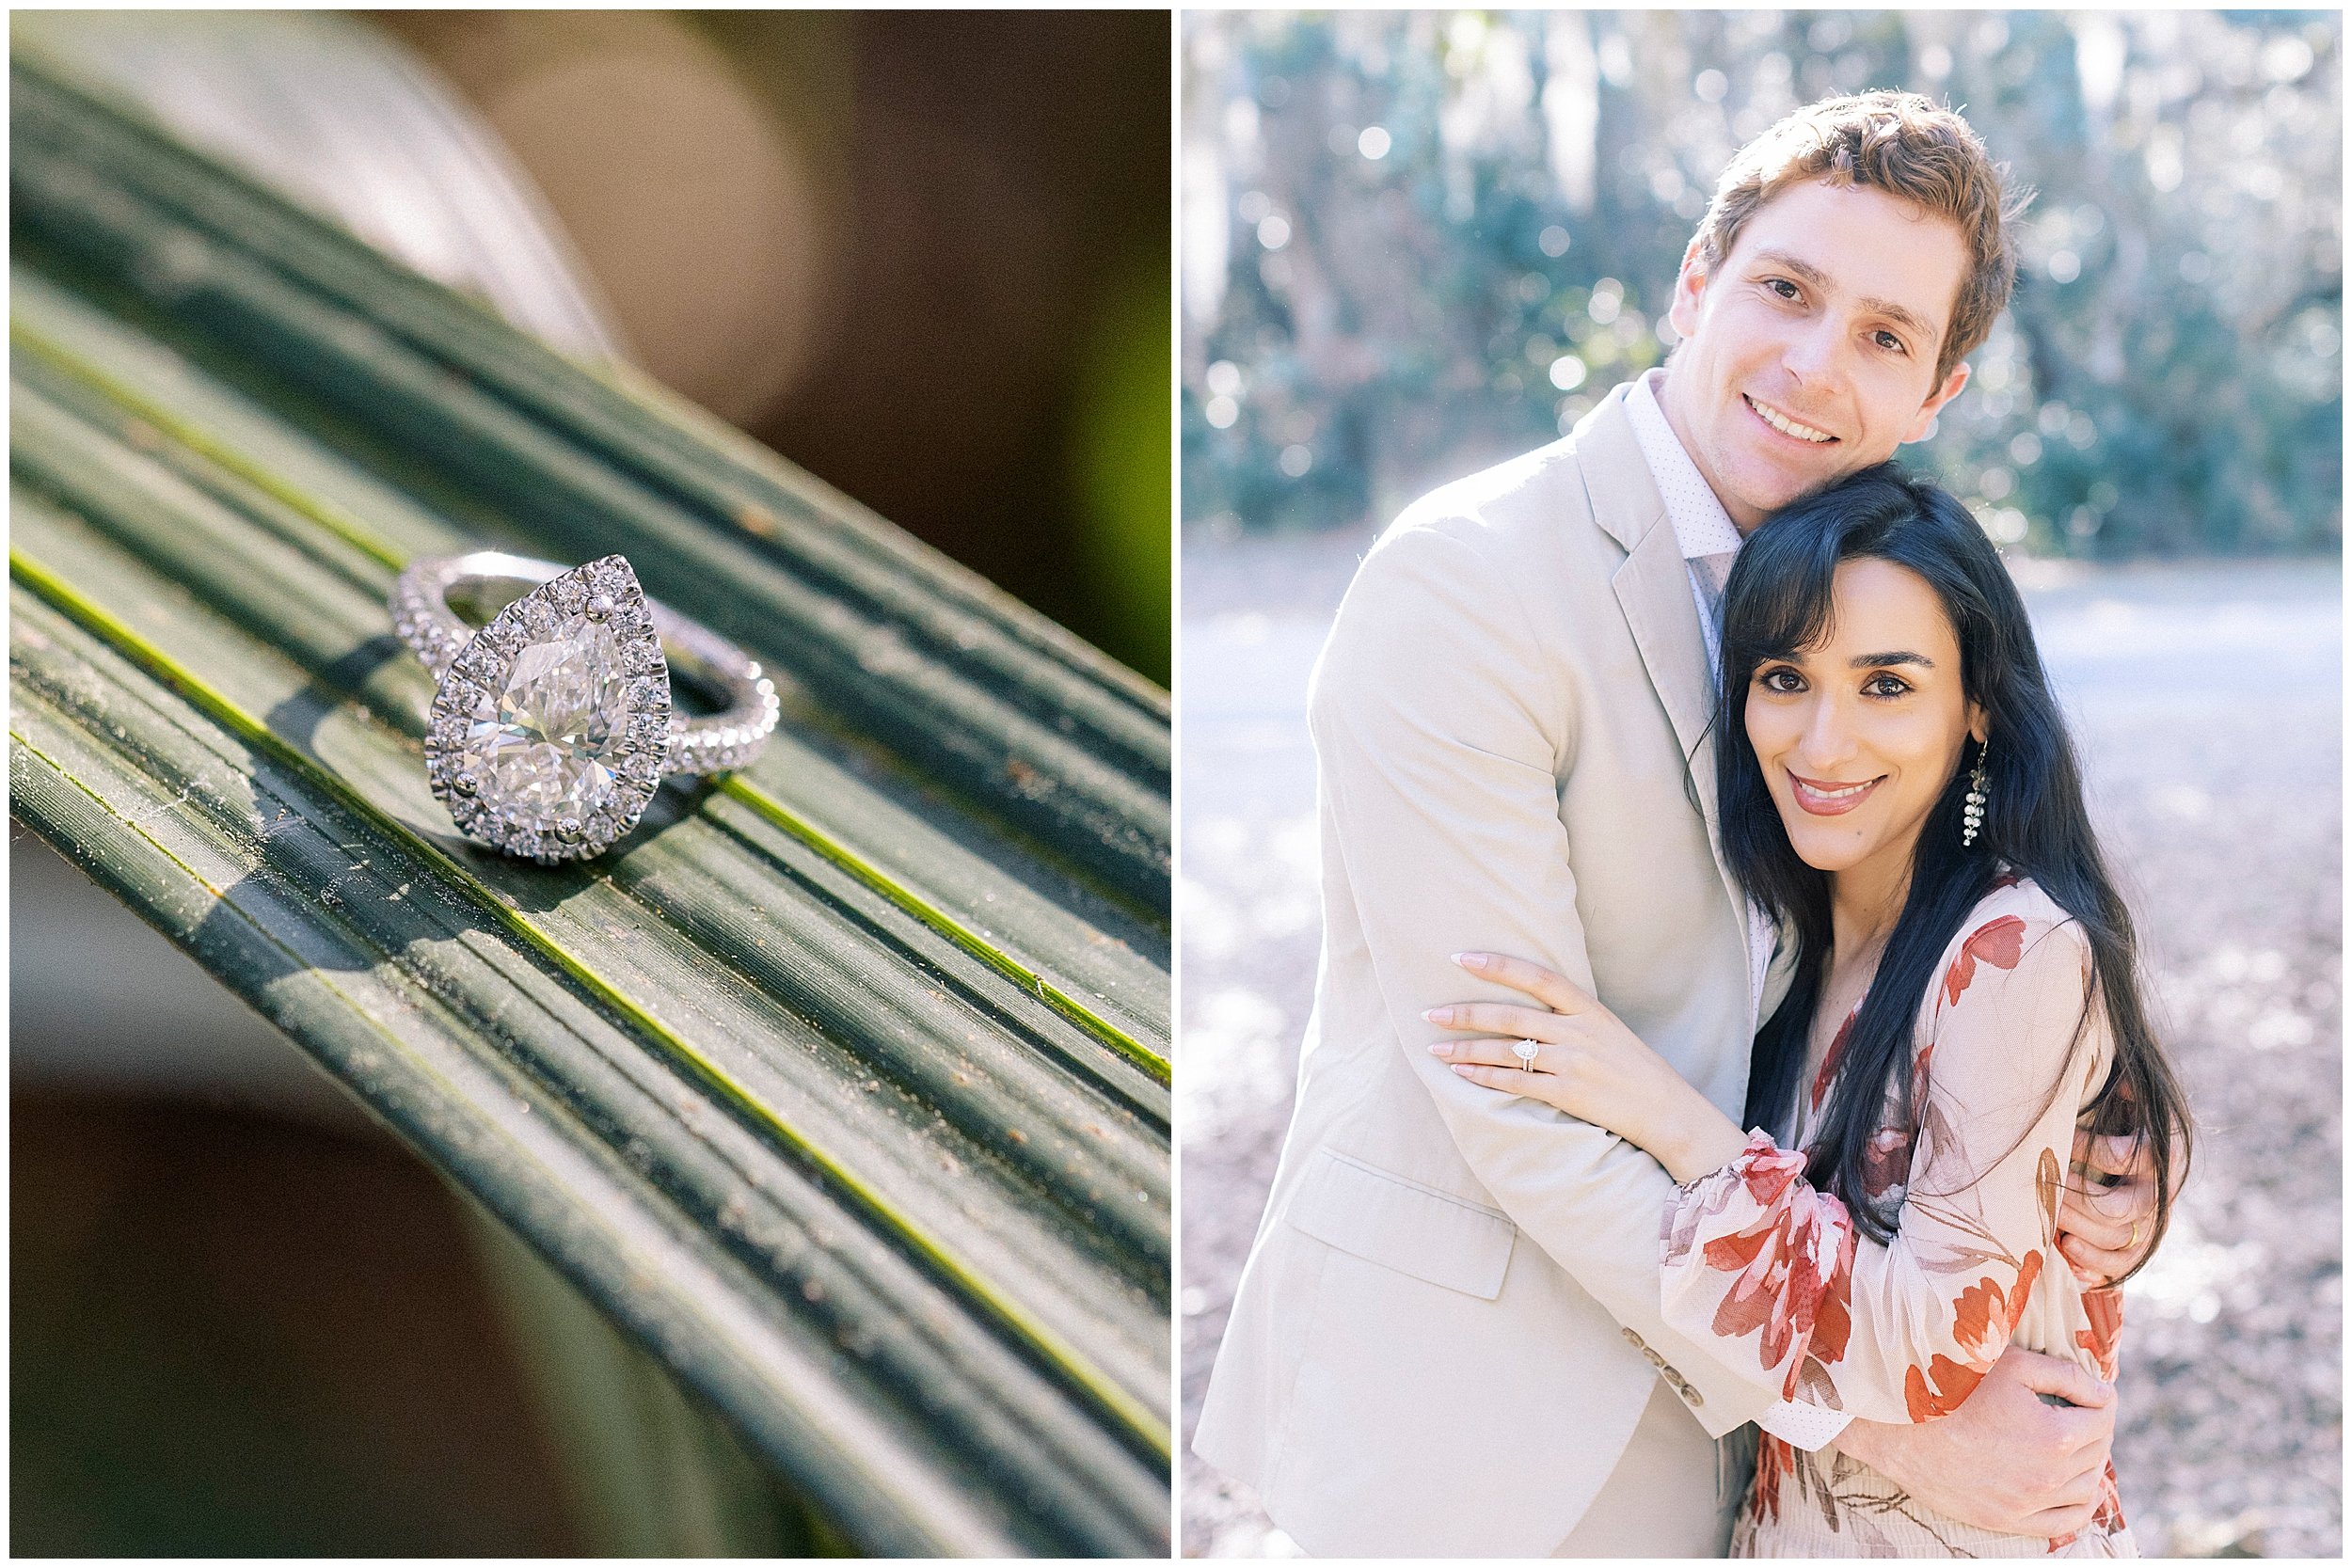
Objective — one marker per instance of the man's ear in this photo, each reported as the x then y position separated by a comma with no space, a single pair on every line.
1927,410
1690,286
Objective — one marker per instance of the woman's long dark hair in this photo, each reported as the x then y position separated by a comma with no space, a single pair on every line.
1777,602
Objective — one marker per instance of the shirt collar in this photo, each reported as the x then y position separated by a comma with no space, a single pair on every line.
1701,525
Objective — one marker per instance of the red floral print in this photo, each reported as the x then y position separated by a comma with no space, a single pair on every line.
1772,1462
1952,1383
1998,943
1833,1056
1794,1262
2104,1337
2106,1519
1907,1329
2110,1513
1983,1305
1887,1161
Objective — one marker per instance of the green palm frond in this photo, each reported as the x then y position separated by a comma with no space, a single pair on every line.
841,1084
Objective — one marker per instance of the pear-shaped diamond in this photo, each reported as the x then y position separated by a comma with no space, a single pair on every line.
547,744
543,740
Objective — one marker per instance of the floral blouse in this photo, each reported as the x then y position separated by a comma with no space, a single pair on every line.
1970,1170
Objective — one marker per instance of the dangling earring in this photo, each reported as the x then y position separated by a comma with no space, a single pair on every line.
1971,805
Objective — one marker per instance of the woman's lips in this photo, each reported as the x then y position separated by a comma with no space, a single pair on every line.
1819,798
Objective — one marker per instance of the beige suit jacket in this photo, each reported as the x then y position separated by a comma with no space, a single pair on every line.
1449,1323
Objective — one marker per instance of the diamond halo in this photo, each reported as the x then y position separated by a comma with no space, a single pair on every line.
550,729
552,725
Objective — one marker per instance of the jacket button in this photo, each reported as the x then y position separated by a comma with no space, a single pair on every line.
1655,1359
1631,1338
1692,1396
1677,1379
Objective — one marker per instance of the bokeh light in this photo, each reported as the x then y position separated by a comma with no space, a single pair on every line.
2167,379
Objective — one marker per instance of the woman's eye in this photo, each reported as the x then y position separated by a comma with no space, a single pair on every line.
1885,686
1781,680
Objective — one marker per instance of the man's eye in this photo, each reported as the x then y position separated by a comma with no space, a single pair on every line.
1888,340
1782,287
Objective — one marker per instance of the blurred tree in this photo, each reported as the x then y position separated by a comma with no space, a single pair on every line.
1416,243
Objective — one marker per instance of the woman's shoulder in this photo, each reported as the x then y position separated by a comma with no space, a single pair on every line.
2013,1000
2014,925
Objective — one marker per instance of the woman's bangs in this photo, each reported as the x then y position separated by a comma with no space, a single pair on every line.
1795,612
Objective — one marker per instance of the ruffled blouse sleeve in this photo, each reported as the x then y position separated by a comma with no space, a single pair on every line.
1772,1271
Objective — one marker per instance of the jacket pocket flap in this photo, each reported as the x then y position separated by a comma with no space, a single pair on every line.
1404,1226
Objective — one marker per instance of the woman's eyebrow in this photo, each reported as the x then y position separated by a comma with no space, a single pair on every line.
1882,661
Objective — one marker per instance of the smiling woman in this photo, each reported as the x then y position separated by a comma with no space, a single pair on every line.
1871,635
1859,732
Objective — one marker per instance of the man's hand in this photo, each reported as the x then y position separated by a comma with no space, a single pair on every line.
2005,1460
2105,1230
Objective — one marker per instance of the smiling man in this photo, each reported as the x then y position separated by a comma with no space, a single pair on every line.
1447,1340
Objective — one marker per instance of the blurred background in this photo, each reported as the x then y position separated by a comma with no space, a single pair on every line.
1417,243
923,256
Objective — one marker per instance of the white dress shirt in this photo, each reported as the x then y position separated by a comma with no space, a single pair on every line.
1711,542
1709,545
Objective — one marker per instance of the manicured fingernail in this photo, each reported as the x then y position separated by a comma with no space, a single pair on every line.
1464,1069
1439,1015
1443,1048
1471,960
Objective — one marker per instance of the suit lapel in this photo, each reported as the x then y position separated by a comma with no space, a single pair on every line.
1653,588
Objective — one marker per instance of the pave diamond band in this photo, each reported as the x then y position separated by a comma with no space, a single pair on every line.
553,724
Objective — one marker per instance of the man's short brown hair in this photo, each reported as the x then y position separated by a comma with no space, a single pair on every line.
1902,144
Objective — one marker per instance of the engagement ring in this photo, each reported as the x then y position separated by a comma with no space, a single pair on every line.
553,723
1525,1051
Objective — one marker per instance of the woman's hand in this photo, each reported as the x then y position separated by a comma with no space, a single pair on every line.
1587,1063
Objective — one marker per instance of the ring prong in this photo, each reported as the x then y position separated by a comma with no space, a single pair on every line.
598,607
568,830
